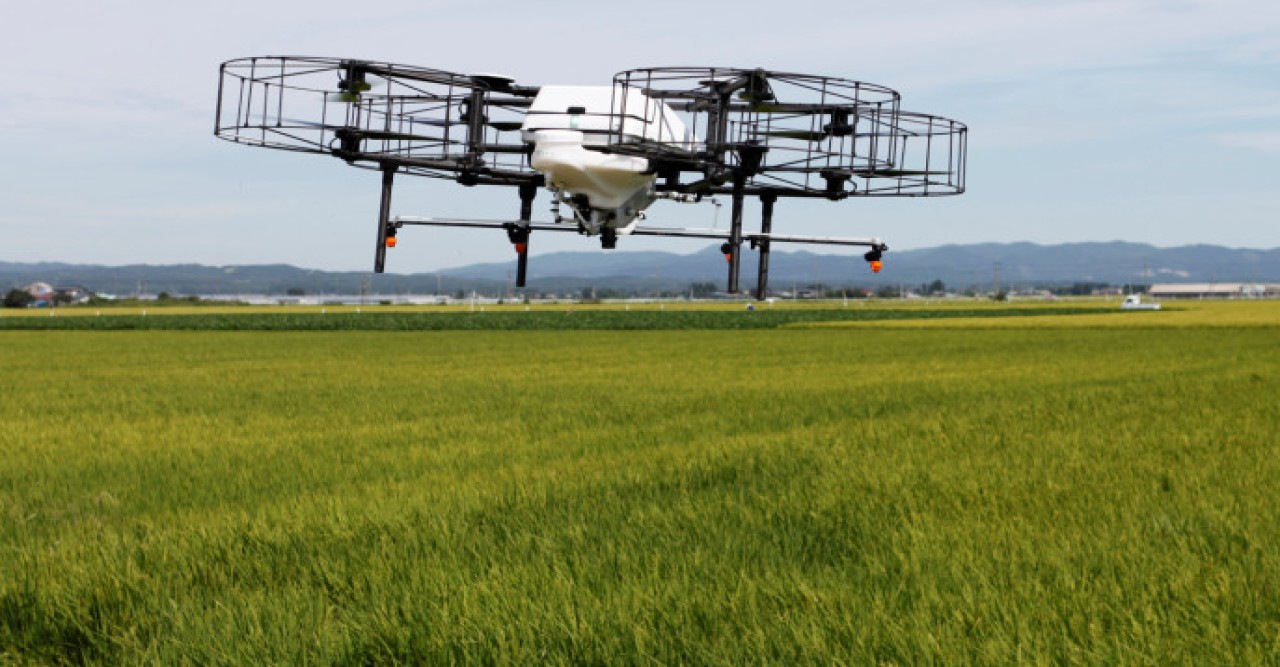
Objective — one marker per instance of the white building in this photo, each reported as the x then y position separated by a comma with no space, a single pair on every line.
1214,291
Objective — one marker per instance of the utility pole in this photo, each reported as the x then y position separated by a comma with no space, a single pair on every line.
995,280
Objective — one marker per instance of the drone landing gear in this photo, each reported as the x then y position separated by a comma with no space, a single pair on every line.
518,232
386,230
766,227
734,251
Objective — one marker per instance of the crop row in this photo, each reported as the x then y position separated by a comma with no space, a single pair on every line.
536,320
784,496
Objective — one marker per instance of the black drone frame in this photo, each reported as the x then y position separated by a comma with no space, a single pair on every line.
751,132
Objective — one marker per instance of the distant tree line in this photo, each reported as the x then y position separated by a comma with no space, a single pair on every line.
17,298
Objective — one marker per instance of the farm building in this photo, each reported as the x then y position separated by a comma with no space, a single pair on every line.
1215,291
39,291
76,294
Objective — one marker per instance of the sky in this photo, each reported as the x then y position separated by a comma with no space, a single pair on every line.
1146,121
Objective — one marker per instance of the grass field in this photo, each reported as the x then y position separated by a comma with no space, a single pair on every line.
513,318
1044,488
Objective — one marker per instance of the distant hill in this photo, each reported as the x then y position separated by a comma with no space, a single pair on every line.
959,266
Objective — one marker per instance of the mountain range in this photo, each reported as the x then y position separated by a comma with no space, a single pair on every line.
976,266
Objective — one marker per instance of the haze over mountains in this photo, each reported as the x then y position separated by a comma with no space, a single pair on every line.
959,266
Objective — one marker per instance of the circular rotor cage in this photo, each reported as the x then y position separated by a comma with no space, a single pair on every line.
747,129
789,134
377,115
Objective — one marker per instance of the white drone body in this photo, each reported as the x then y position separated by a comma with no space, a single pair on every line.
616,189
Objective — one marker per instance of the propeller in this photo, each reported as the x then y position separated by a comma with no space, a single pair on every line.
351,132
761,107
349,92
838,127
386,135
499,125
802,135
897,173
351,84
713,179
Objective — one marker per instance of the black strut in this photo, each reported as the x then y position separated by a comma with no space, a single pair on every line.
519,233
766,226
384,217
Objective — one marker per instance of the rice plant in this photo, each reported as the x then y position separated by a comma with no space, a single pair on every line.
1103,494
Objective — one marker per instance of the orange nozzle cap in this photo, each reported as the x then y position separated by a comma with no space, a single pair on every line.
521,247
876,265
728,257
391,241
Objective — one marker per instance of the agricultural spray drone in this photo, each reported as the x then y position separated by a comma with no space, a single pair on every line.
606,153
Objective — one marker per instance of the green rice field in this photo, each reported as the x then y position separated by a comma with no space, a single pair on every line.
870,484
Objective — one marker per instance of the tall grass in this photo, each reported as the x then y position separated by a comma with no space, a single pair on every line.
847,496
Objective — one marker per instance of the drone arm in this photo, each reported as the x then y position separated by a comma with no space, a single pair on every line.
767,201
519,233
672,232
733,247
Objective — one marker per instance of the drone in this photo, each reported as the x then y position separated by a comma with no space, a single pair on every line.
605,153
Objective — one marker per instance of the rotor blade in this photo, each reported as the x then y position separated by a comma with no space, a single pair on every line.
702,184
363,134
802,135
403,136
764,107
273,122
499,125
896,173
385,135
432,122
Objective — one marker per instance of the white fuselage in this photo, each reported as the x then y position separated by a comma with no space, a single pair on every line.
565,122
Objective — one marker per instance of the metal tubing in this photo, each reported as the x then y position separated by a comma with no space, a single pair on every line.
217,114
766,227
676,232
527,192
475,123
384,216
735,231
522,265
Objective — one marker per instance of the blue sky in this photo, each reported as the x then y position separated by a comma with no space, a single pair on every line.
1154,122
